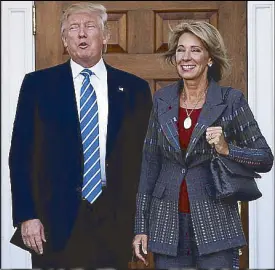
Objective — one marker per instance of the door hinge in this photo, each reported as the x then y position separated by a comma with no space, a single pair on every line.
33,20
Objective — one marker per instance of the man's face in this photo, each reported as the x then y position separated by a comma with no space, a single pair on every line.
84,39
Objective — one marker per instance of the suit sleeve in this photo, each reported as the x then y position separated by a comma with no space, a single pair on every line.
20,156
150,168
251,148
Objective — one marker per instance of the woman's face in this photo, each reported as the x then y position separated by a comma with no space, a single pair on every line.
191,57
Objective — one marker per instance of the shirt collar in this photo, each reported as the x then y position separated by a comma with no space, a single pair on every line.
99,69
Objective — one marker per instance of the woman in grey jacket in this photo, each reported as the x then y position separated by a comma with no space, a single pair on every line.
177,216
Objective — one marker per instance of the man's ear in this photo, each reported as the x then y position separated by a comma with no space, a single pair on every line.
106,36
64,42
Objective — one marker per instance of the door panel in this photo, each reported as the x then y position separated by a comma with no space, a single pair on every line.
139,36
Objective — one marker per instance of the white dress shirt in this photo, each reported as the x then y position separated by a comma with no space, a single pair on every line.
99,83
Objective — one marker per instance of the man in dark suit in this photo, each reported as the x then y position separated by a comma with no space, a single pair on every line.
76,152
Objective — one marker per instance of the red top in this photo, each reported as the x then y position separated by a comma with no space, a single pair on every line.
184,137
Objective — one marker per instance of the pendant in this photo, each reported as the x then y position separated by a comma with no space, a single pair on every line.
187,123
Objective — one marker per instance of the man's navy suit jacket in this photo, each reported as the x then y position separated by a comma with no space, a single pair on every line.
46,157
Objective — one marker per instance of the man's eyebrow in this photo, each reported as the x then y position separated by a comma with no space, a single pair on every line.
77,22
92,21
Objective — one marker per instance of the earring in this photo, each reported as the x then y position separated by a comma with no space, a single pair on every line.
210,64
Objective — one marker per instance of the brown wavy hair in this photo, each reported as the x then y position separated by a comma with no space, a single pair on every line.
211,40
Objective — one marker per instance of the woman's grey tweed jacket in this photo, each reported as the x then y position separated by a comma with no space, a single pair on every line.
217,225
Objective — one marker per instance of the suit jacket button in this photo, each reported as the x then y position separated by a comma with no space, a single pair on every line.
78,189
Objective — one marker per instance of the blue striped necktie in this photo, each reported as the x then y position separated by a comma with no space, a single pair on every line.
92,184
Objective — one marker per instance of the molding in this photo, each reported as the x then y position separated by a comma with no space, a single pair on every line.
17,53
260,25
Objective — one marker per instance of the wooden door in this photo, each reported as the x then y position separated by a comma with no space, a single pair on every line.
139,35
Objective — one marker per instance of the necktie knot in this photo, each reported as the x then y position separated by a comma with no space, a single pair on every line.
86,73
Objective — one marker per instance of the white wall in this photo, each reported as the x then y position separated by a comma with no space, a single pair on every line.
260,23
17,54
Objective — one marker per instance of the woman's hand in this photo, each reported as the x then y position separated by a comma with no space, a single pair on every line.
140,244
214,136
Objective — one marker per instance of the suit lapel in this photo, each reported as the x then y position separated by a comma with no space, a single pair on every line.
117,93
58,109
168,108
67,103
67,95
211,110
66,81
116,101
66,108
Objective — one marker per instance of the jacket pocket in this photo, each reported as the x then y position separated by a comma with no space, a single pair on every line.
158,190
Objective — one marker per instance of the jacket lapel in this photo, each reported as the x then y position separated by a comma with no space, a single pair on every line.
67,97
211,110
68,101
116,101
117,93
62,107
168,108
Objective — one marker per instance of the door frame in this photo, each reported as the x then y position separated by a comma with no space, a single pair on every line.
17,28
260,15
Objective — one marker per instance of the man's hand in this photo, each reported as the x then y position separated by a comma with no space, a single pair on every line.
33,234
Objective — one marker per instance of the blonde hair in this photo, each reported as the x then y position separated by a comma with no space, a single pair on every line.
89,8
211,40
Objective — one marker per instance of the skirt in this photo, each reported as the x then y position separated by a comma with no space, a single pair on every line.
188,253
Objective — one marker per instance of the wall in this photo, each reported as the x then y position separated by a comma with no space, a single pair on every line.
260,22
